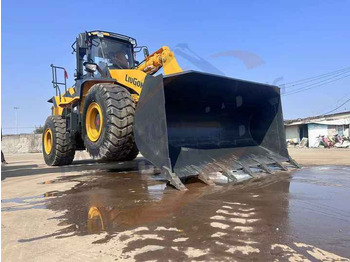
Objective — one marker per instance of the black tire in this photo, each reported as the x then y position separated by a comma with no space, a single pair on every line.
116,138
63,150
132,154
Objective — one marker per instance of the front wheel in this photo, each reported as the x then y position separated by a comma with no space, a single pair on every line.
108,122
58,150
132,154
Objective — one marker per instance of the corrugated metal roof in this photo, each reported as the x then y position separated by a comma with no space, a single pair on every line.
342,118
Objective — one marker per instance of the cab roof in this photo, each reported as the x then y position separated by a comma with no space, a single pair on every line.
113,35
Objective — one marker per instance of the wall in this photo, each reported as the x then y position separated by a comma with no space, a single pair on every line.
346,131
292,132
314,131
17,144
332,130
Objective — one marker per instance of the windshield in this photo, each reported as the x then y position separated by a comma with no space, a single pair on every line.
112,53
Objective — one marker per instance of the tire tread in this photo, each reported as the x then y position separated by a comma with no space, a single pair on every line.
63,149
120,110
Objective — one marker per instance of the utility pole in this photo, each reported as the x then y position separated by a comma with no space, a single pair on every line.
16,108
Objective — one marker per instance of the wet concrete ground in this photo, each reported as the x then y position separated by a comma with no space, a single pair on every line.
133,215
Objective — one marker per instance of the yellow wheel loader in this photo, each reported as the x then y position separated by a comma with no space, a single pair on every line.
185,123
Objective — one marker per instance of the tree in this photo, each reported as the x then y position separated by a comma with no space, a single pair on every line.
39,130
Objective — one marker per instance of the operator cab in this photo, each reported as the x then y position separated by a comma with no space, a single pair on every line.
106,50
111,52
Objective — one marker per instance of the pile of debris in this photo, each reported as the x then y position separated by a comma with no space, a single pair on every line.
294,142
337,141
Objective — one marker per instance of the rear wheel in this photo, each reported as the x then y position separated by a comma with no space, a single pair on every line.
57,149
108,122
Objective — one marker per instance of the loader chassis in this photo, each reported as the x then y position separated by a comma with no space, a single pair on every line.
118,80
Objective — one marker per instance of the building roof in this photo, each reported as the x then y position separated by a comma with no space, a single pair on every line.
342,118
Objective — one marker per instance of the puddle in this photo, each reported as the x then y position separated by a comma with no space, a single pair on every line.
319,208
310,206
116,201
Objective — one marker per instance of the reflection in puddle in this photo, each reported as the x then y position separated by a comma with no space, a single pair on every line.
23,203
95,222
115,201
21,200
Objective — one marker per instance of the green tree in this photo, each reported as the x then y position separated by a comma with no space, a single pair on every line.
38,130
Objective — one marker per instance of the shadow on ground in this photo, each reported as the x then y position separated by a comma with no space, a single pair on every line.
76,166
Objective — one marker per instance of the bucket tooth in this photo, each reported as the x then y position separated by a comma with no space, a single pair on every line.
205,178
173,179
228,174
293,162
245,169
264,167
279,164
226,171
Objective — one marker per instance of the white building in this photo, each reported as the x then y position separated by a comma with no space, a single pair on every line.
312,127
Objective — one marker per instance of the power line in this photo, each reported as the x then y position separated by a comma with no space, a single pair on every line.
330,76
322,81
329,73
318,84
337,107
339,100
20,127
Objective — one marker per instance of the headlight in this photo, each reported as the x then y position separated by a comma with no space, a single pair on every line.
90,67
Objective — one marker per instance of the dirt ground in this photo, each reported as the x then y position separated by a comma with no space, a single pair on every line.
126,212
321,156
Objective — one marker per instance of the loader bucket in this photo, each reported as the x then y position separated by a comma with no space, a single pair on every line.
195,123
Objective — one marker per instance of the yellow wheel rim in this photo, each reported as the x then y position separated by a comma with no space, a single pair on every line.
94,122
48,141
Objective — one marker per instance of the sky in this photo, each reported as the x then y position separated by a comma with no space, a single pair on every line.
273,42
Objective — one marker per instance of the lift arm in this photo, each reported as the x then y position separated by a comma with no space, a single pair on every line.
163,57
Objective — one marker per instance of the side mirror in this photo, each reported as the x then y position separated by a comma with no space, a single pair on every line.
145,52
90,67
